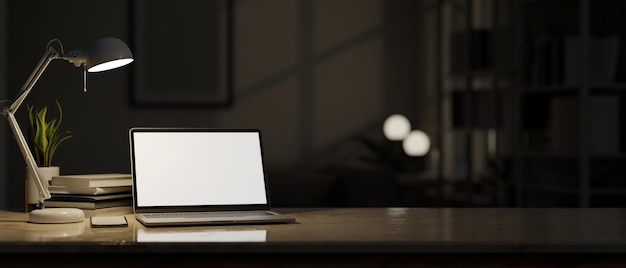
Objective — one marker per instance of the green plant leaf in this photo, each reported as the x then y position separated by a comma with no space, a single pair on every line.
44,136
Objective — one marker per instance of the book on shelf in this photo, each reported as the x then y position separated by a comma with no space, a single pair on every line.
604,121
60,189
557,60
89,201
564,124
93,180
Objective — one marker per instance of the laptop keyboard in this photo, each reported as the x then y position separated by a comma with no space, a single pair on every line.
207,214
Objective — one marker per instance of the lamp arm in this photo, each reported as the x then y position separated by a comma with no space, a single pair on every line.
50,55
41,184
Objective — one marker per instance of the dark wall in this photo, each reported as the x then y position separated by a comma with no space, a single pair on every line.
4,141
310,74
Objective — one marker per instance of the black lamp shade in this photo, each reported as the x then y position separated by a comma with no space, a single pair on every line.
106,54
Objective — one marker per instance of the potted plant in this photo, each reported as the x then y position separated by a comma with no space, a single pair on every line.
44,138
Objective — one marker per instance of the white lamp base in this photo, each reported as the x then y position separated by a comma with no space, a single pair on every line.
56,215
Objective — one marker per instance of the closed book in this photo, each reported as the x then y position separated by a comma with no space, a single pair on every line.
93,180
97,204
60,189
76,197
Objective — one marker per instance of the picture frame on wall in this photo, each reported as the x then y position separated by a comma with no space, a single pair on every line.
182,53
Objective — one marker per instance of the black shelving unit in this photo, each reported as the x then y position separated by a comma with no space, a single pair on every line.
571,147
476,77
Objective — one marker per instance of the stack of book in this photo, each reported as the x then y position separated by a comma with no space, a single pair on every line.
95,194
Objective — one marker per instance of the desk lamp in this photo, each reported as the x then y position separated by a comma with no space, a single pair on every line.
104,54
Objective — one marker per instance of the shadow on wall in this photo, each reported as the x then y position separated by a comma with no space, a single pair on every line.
336,187
351,174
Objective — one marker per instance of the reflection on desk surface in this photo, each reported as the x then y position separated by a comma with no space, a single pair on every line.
56,232
148,235
349,228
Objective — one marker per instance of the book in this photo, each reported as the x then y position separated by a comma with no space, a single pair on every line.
89,201
93,180
60,189
564,124
76,197
602,66
86,204
604,113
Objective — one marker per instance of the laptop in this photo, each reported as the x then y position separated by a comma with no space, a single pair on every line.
184,176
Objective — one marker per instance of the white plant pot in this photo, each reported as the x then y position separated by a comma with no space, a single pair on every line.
32,194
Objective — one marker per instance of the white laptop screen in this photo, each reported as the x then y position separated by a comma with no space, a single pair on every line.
198,168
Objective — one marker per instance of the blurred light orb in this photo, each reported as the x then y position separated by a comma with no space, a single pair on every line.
396,127
416,143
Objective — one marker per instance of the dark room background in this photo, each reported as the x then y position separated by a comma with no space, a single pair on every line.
310,74
520,98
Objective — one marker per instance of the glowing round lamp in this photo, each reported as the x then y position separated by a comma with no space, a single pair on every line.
416,143
396,127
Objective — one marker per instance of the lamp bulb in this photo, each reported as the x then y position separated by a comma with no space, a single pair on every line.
416,143
396,127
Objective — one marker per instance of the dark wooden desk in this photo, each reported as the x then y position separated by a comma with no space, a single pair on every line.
361,237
